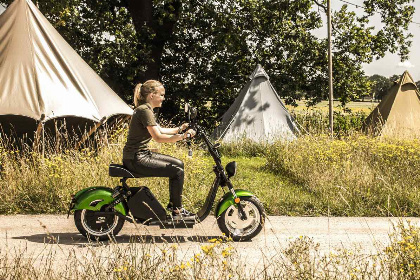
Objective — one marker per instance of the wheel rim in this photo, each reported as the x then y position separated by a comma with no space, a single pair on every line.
238,227
98,225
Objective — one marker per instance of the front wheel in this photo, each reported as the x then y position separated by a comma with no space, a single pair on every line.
94,227
231,224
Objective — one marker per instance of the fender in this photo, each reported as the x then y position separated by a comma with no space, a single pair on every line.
228,200
94,198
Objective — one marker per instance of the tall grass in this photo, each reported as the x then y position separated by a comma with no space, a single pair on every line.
244,148
316,122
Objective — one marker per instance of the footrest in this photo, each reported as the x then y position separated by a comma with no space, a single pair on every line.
168,224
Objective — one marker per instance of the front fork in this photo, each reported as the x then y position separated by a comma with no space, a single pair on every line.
226,182
237,201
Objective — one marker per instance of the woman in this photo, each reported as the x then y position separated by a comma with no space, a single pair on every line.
138,158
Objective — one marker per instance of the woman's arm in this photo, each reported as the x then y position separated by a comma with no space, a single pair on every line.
174,130
158,136
169,131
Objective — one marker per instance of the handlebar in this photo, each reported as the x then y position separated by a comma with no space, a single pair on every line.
188,140
191,115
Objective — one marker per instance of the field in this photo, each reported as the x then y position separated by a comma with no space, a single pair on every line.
350,175
354,106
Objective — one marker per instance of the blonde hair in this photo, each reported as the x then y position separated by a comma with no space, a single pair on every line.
141,91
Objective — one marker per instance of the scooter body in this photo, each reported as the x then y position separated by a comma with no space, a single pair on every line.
100,212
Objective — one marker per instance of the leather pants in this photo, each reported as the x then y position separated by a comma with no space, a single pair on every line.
151,164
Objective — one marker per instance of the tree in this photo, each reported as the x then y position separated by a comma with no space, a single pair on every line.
204,50
380,86
394,78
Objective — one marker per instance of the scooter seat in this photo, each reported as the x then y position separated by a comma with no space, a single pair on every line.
118,170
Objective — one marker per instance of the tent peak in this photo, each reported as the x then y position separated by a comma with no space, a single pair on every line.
259,72
406,78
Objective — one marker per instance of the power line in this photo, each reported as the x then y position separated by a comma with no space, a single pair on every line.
358,6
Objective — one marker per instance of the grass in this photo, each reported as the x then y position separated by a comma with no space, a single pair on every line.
32,184
356,176
281,195
353,175
219,258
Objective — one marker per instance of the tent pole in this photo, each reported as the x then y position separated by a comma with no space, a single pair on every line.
39,130
119,121
43,140
126,118
91,131
122,120
37,136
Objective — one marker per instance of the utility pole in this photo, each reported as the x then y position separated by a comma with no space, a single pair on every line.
330,69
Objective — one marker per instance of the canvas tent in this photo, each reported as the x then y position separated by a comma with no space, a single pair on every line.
42,77
257,114
398,114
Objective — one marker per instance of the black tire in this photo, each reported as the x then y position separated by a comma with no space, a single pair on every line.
253,208
108,226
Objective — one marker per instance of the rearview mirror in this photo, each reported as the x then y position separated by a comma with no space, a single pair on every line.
193,113
231,168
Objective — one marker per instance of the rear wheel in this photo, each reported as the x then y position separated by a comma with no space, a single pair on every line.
97,227
231,224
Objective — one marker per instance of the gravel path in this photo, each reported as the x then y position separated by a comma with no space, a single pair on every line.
36,235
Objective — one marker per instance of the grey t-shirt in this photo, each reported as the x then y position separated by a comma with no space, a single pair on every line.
138,135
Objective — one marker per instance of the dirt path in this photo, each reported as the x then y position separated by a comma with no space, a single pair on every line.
33,235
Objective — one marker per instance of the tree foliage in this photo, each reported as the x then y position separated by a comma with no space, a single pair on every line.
204,51
380,86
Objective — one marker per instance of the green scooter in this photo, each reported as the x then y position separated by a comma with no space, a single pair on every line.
100,212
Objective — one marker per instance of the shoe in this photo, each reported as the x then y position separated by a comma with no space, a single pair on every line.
183,215
170,207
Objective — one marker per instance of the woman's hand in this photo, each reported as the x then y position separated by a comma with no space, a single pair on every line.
183,127
189,131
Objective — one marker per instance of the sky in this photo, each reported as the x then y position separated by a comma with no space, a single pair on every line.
390,64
